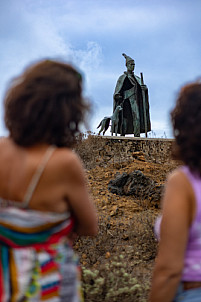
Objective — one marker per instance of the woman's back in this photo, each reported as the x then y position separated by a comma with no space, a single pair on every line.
20,165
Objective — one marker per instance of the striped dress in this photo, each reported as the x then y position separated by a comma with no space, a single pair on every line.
37,262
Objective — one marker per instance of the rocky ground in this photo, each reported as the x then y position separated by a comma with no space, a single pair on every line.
125,225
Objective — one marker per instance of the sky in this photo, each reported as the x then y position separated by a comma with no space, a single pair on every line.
163,37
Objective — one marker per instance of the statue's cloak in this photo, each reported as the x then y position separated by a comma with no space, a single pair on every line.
125,84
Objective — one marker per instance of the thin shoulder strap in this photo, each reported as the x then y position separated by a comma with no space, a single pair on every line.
36,177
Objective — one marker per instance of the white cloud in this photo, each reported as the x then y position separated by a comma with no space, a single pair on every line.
161,36
106,18
88,60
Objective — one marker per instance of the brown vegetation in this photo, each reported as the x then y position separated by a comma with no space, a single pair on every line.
117,264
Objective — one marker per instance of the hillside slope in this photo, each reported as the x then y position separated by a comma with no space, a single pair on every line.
125,224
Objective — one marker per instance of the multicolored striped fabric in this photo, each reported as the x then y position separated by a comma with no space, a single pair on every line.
37,262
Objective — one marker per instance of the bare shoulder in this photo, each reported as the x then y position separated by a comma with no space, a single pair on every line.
7,148
179,196
68,162
179,185
4,142
67,157
178,179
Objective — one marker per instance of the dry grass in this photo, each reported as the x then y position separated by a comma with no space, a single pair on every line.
117,264
119,256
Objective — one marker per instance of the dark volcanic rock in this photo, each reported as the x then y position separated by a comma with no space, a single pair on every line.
137,184
117,185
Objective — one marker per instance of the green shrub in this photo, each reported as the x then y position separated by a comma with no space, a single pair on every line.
112,283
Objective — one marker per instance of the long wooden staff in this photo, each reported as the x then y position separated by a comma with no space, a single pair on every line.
144,105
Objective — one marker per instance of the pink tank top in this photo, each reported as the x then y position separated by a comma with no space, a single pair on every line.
192,259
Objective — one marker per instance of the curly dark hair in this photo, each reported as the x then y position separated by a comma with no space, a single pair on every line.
186,121
45,105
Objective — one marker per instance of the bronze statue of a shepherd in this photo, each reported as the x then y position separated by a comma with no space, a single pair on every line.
132,95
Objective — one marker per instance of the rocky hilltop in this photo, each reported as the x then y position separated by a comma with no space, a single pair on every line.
126,179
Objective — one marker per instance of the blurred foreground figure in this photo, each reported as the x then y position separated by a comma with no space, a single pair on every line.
177,273
43,193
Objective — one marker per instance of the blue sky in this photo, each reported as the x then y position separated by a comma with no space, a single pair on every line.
164,38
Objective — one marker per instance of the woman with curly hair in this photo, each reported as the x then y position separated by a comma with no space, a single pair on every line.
177,272
43,192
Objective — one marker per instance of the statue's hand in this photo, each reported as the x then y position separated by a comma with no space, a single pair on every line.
144,87
118,97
